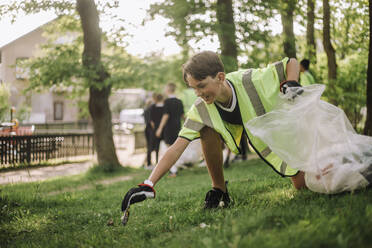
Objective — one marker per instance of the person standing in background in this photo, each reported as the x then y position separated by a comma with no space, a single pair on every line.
148,132
170,123
306,78
156,113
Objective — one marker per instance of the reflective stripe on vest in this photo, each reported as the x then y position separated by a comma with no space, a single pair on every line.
280,70
207,121
252,93
283,167
258,105
193,125
203,113
265,152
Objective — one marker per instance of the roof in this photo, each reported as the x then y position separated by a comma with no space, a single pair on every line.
32,31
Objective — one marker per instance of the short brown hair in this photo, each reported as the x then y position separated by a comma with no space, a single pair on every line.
202,65
171,87
159,97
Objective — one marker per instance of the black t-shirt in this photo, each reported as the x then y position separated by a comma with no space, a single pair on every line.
146,114
174,108
233,117
156,113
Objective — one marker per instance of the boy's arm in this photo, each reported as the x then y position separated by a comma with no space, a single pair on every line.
163,121
169,159
293,70
146,189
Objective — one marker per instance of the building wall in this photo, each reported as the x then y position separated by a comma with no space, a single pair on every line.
24,46
42,104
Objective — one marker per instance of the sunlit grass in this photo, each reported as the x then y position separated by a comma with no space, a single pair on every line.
266,212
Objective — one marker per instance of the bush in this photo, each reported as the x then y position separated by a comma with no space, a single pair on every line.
350,87
4,102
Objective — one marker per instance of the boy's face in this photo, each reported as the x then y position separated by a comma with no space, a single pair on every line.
209,88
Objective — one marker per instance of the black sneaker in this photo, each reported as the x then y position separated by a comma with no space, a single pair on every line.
217,198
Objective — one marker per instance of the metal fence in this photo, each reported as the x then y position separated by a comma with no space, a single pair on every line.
37,148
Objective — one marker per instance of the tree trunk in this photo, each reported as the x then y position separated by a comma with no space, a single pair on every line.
345,43
330,51
310,40
98,93
227,35
368,124
286,14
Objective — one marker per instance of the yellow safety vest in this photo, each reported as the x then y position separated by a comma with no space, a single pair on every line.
256,91
306,78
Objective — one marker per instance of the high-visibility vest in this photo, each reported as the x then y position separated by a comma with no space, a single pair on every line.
306,78
256,91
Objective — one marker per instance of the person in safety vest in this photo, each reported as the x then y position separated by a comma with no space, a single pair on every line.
225,103
306,78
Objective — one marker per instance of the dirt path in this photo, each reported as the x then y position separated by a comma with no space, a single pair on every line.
126,158
44,173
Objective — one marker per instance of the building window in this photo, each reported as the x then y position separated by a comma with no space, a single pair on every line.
20,71
58,111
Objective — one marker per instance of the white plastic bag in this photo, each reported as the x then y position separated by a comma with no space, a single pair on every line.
316,137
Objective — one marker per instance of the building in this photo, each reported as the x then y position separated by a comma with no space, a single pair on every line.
51,106
46,107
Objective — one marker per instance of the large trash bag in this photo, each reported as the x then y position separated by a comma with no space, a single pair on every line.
316,137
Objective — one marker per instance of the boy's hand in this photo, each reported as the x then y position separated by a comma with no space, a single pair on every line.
291,89
134,195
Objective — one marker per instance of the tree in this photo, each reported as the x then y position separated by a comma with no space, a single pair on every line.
368,124
330,51
310,40
98,91
286,13
194,20
96,78
226,34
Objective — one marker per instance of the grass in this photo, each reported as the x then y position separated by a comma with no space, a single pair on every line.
266,212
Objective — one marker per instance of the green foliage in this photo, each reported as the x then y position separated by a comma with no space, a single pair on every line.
353,83
4,102
14,7
83,107
59,64
84,211
192,21
350,90
23,112
350,27
158,71
269,51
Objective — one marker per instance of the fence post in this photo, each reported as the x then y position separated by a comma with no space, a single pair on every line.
93,144
28,149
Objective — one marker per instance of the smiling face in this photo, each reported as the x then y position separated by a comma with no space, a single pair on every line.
209,89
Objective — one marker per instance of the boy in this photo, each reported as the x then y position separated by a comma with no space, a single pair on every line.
305,76
225,103
170,124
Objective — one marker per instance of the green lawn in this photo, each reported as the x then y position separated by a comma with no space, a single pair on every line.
266,212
